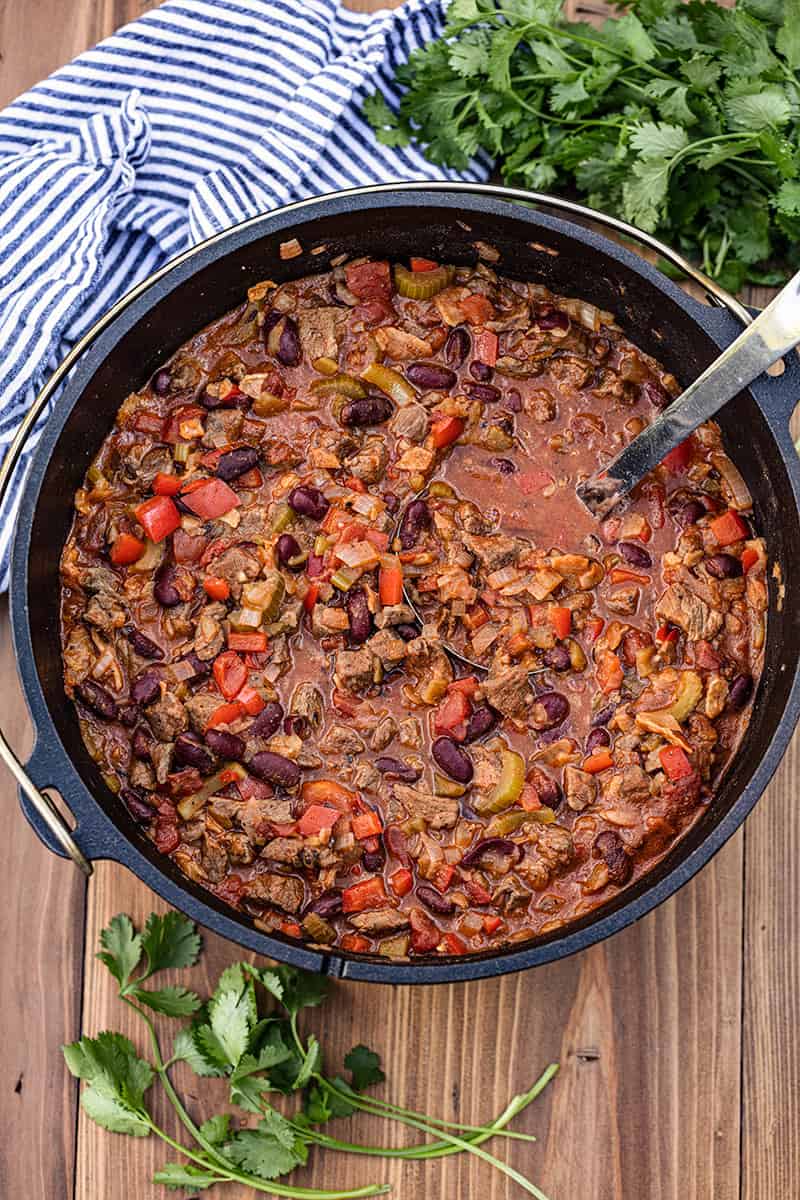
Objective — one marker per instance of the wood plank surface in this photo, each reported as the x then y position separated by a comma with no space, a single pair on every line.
680,1059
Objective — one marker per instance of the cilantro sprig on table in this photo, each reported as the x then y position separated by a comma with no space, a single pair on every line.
247,1032
681,118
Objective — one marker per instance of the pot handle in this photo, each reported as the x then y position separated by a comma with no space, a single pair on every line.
42,815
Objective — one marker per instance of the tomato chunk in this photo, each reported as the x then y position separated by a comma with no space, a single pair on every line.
561,619
213,498
401,881
328,791
452,715
158,517
367,824
446,431
678,459
675,763
423,264
749,558
390,585
250,643
230,673
355,943
477,309
598,762
729,527
166,484
225,714
316,818
216,587
250,700
127,549
609,672
367,893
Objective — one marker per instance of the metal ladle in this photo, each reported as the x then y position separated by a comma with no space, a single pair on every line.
771,335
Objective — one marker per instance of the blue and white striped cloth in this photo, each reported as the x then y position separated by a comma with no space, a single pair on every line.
198,115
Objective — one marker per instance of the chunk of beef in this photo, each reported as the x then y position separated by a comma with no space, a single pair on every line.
401,345
631,785
510,895
555,845
142,775
214,858
340,739
411,421
167,717
541,405
383,733
256,817
679,606
508,691
624,600
162,754
366,778
369,463
394,614
580,788
281,891
236,566
222,426
306,709
105,612
431,668
225,810
609,847
388,647
79,655
440,812
200,707
290,851
448,303
141,464
380,920
101,579
355,669
209,638
320,331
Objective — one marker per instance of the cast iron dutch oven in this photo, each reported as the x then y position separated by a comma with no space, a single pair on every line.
441,222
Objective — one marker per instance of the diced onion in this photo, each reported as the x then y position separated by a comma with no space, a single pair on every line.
739,495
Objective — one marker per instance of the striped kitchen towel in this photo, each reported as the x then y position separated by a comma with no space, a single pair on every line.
198,115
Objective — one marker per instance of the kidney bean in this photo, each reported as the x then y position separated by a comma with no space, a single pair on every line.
329,904
288,548
162,382
373,860
226,745
689,513
499,844
268,721
136,805
486,393
548,791
142,644
97,699
480,722
550,709
416,518
372,410
128,714
554,319
270,321
164,588
741,691
514,400
308,501
146,687
396,769
452,759
558,659
597,737
636,555
723,566
431,377
236,462
480,371
359,615
391,501
289,348
141,743
201,668
397,844
654,394
435,900
406,632
604,716
610,848
191,752
457,346
275,768
505,466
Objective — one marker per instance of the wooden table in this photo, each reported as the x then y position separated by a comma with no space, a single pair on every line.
680,1059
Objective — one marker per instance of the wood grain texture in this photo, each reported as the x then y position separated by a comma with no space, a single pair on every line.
677,1038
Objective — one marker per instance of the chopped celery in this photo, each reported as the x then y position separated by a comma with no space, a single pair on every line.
320,545
325,365
245,620
507,822
509,786
181,451
344,578
282,518
391,382
153,553
394,947
339,385
421,285
690,689
191,805
447,787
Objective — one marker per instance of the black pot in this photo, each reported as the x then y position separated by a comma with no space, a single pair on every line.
440,223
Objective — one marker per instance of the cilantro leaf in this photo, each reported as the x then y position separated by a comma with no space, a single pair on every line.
787,199
365,1067
272,1149
295,989
644,192
216,1130
658,140
184,1175
122,948
767,108
172,1001
787,41
117,1080
168,941
187,1049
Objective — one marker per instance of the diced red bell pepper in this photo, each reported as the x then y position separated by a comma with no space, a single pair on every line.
159,517
491,923
249,643
316,818
355,943
230,673
167,484
443,876
425,935
401,881
213,498
475,618
678,459
378,539
367,824
666,633
127,549
291,929
561,619
367,893
328,791
486,344
729,527
225,714
749,558
600,761
216,587
310,598
446,430
594,627
468,684
390,585
251,700
477,309
452,715
454,944
675,763
423,264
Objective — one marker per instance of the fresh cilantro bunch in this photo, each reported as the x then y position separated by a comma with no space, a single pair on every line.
259,1049
681,118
